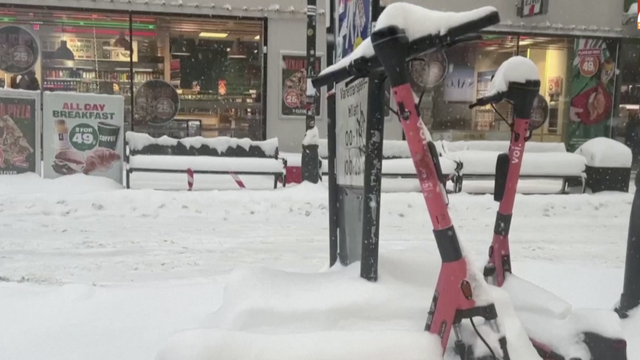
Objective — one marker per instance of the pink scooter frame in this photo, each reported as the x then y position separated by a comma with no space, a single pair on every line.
499,253
453,298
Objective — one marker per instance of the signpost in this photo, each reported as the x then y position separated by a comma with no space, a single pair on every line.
355,148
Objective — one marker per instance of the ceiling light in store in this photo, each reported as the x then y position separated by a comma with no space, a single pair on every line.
213,35
257,37
236,52
63,52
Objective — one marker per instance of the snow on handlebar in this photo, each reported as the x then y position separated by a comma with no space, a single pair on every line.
517,69
426,30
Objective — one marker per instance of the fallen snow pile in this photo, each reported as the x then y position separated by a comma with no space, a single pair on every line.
631,328
270,314
33,184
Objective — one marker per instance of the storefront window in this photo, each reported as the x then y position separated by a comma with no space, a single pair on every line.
215,66
469,70
553,57
577,88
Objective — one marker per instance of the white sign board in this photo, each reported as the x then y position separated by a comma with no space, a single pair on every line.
83,133
351,119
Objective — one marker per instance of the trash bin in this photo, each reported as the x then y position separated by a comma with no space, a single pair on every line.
608,164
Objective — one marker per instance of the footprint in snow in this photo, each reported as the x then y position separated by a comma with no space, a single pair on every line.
97,206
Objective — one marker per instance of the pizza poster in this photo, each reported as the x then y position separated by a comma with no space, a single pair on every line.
592,91
294,86
19,135
83,134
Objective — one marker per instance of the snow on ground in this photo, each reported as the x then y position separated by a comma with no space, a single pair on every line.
93,271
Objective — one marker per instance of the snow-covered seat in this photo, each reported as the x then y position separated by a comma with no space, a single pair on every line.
540,160
222,155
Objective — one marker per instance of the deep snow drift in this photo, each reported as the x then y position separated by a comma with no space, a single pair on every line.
117,272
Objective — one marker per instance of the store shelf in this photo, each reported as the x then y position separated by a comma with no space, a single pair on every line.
95,80
102,65
212,105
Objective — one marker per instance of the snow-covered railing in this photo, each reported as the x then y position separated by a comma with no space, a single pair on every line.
222,155
540,160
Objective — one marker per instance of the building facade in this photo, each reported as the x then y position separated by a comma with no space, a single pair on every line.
237,65
586,53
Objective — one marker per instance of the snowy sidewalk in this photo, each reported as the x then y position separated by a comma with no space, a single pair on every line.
159,260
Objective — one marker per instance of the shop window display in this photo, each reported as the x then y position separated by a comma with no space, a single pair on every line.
216,68
471,66
468,71
214,65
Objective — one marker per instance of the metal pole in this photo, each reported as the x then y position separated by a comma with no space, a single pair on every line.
131,80
331,143
310,160
373,168
630,298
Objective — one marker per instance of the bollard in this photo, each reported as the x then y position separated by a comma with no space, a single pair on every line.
190,178
630,298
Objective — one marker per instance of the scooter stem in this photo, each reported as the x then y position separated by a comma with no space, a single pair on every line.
522,96
499,254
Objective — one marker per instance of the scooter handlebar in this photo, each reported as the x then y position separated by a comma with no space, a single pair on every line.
363,66
491,99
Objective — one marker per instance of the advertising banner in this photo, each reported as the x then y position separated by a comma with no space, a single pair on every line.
294,85
592,91
156,103
83,133
19,132
354,25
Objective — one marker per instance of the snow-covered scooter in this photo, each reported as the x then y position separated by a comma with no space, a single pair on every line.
400,36
556,331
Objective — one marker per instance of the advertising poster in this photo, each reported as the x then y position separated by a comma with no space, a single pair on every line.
19,50
354,25
294,85
592,91
156,102
19,132
83,133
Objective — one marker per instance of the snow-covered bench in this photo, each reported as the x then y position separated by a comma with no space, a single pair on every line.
608,164
540,160
397,162
221,155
